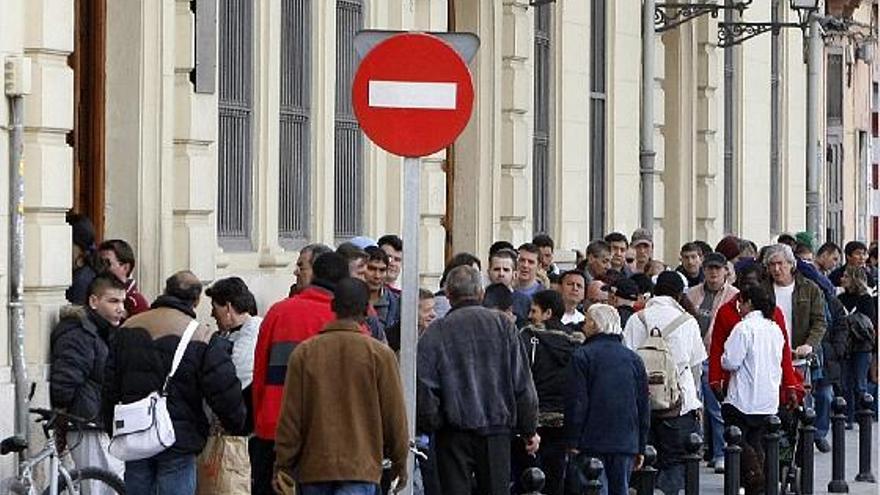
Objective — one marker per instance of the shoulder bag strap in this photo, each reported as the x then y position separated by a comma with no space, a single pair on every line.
181,349
674,324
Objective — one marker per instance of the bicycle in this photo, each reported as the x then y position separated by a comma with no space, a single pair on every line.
61,480
792,445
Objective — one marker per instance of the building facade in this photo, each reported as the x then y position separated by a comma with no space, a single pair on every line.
219,136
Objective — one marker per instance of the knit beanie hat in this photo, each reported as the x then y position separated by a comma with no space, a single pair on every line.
729,247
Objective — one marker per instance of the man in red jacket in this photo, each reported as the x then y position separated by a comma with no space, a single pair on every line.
287,324
791,390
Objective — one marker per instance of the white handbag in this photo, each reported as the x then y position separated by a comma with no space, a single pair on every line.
143,428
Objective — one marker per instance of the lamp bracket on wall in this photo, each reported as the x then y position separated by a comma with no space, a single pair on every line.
671,15
734,33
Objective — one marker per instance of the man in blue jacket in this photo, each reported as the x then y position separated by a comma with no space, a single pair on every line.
606,405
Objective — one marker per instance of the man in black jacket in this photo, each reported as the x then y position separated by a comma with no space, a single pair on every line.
485,394
140,359
78,356
549,345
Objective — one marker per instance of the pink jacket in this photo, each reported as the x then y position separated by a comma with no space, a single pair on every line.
696,295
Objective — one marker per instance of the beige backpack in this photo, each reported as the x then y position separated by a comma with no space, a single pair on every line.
663,387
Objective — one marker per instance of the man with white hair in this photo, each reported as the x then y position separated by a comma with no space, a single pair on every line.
606,396
803,309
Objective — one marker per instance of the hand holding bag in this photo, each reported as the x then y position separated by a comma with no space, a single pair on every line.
143,428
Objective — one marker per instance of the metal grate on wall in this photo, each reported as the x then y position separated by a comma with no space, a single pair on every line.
598,96
294,196
235,110
541,138
349,161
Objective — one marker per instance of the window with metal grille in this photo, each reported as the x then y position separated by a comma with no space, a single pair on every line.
834,97
235,110
541,138
349,162
834,188
598,97
295,166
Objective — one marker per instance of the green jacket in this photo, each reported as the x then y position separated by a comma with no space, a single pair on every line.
808,313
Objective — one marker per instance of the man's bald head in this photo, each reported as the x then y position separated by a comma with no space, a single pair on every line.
184,285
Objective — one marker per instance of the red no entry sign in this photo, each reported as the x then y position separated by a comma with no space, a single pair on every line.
412,94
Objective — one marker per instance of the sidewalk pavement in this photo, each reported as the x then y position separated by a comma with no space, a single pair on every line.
711,483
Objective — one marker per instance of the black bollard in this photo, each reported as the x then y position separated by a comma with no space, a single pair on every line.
532,481
805,451
771,456
838,448
732,453
865,417
593,471
645,478
692,464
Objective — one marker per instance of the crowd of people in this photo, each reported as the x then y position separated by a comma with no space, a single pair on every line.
522,364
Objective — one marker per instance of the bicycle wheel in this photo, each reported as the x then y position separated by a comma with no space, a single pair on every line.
96,477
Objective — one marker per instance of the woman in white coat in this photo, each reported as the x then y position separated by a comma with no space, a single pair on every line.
753,355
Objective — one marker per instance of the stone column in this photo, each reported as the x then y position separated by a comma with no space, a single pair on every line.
514,220
707,225
623,90
679,133
195,158
571,141
140,133
478,149
47,41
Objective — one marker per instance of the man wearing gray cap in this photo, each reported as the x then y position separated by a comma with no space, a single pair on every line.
642,242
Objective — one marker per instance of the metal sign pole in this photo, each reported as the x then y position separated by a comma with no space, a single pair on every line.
412,177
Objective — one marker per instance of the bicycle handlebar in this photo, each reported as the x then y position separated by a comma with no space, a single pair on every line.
50,416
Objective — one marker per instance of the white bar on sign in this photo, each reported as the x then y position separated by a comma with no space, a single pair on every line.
427,95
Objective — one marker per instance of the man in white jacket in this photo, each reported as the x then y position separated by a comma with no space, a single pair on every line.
669,435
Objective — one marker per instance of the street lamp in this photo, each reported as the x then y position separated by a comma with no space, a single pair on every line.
734,33
671,15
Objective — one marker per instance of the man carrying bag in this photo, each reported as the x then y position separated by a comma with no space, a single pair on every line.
141,358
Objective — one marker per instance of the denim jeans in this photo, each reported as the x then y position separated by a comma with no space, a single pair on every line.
616,472
168,473
855,382
713,424
823,395
339,488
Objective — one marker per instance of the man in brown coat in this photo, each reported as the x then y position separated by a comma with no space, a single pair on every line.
343,409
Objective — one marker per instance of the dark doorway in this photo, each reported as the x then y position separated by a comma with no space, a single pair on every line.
87,136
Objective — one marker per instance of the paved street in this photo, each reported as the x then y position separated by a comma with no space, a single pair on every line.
711,483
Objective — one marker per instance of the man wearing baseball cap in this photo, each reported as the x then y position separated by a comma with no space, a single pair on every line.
707,297
624,294
642,242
